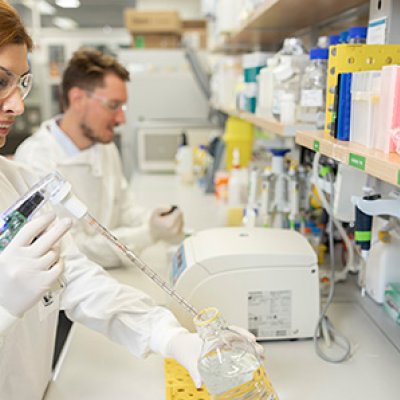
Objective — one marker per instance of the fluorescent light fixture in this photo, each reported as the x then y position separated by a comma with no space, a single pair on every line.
68,3
44,7
64,23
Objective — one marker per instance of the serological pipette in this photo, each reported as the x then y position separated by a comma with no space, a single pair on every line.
79,210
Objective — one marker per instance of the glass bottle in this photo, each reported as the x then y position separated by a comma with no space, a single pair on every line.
229,365
313,89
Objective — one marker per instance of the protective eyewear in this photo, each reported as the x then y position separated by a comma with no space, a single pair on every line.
9,81
111,105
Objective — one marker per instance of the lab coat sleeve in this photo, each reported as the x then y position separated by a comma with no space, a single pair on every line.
6,321
123,313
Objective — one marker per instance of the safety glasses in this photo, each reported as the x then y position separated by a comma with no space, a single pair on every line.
111,105
9,81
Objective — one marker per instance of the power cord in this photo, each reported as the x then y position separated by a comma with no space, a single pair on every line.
328,332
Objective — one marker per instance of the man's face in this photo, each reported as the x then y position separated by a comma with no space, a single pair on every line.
13,65
104,110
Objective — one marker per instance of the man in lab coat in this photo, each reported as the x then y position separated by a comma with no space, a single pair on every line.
31,264
79,144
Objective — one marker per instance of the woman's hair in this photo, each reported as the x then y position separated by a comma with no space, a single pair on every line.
12,29
87,69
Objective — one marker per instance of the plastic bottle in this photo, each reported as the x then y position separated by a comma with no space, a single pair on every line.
228,364
313,89
357,35
184,159
237,191
287,73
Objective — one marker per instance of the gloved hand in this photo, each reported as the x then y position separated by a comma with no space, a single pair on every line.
29,267
166,223
186,349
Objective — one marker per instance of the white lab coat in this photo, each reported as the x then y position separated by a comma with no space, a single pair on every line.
91,296
97,179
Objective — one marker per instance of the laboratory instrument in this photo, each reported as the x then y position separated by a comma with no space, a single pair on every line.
265,280
15,217
228,363
381,245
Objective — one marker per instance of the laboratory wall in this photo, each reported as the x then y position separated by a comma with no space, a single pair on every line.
188,9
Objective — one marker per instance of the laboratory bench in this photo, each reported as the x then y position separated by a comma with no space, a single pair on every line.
93,367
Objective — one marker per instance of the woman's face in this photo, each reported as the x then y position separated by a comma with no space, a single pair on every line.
13,66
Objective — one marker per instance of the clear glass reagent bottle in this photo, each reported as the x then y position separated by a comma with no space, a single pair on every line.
229,365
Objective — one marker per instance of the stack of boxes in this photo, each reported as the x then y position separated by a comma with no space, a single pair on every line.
154,29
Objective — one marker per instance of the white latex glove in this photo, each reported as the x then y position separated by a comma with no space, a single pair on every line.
186,349
166,223
29,267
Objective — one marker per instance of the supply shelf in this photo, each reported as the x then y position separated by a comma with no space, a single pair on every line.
278,19
374,162
270,125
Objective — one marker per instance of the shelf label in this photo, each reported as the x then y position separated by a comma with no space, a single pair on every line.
316,145
357,161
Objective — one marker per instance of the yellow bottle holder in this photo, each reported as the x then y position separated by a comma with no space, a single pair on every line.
179,384
353,58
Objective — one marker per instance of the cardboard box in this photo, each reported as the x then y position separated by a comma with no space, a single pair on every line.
156,41
194,33
152,21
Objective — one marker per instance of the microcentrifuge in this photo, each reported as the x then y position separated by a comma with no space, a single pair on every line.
261,279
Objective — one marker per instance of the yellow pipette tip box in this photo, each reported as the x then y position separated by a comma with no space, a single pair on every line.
179,384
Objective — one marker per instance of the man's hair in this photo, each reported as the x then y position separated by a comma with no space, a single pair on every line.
12,29
87,69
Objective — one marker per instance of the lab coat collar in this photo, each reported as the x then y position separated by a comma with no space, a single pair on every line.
91,155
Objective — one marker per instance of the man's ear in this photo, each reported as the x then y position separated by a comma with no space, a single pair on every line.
76,97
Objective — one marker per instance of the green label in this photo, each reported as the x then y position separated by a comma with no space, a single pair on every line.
362,236
398,177
357,161
316,145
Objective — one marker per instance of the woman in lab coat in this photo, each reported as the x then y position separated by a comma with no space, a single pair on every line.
79,144
29,268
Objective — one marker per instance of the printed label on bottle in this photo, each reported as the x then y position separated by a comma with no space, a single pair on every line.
357,161
311,98
269,313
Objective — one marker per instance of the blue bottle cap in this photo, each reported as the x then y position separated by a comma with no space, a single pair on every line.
343,37
319,54
334,39
279,152
357,32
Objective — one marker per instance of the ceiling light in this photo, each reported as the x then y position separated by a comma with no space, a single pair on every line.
64,23
68,3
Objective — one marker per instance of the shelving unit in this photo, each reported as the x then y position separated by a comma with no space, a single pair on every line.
277,19
373,162
270,125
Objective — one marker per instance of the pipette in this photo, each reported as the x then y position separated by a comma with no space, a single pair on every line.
140,264
55,188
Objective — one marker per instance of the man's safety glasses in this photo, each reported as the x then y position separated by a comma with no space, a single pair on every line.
112,105
9,81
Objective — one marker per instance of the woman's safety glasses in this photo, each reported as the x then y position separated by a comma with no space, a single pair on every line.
9,81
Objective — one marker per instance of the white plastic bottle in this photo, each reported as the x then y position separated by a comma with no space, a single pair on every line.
237,191
313,89
184,161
